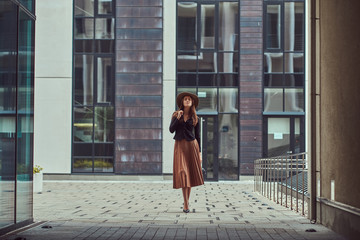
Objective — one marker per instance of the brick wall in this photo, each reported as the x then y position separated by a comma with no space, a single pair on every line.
251,72
138,92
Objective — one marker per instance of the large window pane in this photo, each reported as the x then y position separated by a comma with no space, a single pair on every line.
228,146
83,124
207,79
105,80
294,100
208,26
82,165
229,80
104,124
207,99
294,62
278,136
103,165
294,26
84,28
25,105
207,62
273,27
7,167
228,27
84,8
228,62
273,62
273,99
228,100
186,80
105,7
104,28
187,26
84,68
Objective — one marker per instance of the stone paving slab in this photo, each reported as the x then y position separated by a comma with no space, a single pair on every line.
153,210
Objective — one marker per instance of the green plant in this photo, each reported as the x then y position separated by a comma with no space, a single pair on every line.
37,169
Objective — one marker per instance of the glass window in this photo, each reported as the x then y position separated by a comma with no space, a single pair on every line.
273,80
187,15
103,165
228,100
273,27
84,67
207,99
207,62
84,8
105,6
228,147
84,28
229,80
82,165
104,28
104,124
227,62
294,62
278,136
105,80
208,26
7,168
294,26
273,62
83,124
273,100
25,123
228,27
186,80
294,100
207,79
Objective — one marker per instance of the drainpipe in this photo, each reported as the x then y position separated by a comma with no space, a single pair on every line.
313,100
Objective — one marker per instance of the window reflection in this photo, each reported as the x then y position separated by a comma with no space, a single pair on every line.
84,28
105,6
83,124
84,8
207,99
228,100
84,65
104,124
278,136
273,27
294,26
273,101
104,80
104,28
294,100
228,146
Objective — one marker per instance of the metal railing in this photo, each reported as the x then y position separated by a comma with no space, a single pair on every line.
283,179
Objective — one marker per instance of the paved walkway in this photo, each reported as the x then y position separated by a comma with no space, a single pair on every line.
153,210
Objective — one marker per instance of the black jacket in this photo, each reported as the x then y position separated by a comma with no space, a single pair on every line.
185,130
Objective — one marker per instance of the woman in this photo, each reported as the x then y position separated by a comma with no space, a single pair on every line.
187,172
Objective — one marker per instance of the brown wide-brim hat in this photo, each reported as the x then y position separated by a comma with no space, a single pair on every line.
180,97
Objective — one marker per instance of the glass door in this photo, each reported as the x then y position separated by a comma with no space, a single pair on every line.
209,147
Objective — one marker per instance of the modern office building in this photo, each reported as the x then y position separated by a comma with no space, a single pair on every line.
17,21
107,74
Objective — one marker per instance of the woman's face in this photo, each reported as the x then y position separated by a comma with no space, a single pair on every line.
187,101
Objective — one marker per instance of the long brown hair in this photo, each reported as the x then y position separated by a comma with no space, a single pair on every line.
192,111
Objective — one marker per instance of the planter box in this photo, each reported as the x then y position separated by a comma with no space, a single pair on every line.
38,182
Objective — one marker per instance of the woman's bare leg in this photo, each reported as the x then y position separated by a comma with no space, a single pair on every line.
186,198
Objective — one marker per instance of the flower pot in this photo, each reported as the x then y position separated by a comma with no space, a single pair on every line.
38,182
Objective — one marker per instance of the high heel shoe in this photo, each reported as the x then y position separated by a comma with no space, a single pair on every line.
186,210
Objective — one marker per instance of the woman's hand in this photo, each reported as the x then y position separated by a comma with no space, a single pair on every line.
200,157
179,114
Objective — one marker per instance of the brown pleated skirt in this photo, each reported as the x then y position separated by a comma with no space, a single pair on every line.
187,166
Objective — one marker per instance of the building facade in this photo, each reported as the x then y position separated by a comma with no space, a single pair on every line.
107,80
17,21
